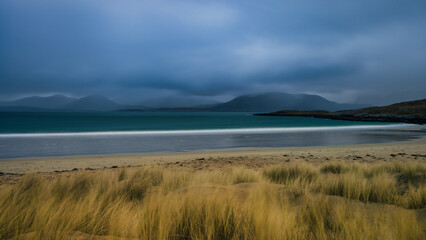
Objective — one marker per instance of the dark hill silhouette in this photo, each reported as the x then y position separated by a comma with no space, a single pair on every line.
55,101
408,112
269,102
266,102
93,103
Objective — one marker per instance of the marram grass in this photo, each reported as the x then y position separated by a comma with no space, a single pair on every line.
292,201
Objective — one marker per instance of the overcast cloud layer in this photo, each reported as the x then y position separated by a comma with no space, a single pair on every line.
131,50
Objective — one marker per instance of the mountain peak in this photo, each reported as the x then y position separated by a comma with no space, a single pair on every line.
275,101
95,97
93,103
49,102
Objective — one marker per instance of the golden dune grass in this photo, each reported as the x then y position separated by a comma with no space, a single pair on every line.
292,201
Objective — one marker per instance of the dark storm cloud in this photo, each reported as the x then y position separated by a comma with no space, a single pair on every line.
308,74
365,51
212,87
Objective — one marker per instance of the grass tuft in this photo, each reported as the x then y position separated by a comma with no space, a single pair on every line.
291,173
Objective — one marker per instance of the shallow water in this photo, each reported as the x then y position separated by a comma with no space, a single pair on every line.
63,145
48,122
61,134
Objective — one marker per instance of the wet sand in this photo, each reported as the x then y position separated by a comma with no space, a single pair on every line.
13,170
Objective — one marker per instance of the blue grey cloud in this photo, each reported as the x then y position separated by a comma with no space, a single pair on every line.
359,51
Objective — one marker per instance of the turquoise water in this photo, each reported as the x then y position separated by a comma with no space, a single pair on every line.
60,122
63,134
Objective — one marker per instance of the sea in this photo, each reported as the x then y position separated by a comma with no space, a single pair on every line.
48,134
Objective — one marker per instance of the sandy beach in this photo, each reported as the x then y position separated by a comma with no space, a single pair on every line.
406,151
286,193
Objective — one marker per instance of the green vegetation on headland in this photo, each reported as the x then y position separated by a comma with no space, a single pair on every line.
287,201
407,112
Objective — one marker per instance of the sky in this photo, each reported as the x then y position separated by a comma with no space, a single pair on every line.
364,51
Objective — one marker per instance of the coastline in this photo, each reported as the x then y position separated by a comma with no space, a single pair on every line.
241,182
249,157
48,145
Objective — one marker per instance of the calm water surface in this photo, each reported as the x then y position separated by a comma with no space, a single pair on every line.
146,121
61,134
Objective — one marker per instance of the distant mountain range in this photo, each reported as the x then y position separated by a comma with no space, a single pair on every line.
179,102
93,103
266,102
63,103
55,101
269,102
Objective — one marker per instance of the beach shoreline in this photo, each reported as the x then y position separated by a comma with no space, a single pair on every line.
235,179
249,157
38,146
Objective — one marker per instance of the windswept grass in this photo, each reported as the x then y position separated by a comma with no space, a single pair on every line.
381,188
292,201
335,168
416,198
229,176
292,174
